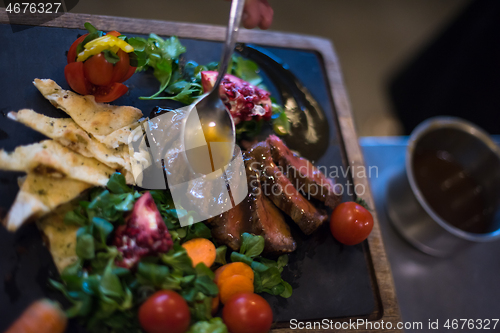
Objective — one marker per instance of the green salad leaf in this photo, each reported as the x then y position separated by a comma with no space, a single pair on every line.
220,257
102,229
111,56
93,34
183,83
90,28
248,129
105,297
251,245
161,55
197,230
214,325
117,184
246,69
177,258
85,248
152,274
267,273
281,124
75,217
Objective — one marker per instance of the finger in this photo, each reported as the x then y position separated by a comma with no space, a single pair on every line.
251,16
267,13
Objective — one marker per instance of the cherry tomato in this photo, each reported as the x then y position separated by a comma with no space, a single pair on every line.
75,77
130,72
71,57
114,33
106,94
96,75
121,68
72,50
165,312
98,70
351,223
247,313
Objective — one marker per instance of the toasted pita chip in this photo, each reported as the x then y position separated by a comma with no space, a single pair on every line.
95,118
118,137
69,134
51,158
59,237
138,155
39,195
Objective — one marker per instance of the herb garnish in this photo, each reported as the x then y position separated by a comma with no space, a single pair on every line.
182,83
106,298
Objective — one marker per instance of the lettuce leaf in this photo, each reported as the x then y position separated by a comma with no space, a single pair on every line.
267,273
214,325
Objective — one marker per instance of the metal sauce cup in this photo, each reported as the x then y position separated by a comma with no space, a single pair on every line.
410,211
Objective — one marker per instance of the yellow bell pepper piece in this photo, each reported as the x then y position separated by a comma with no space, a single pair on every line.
106,42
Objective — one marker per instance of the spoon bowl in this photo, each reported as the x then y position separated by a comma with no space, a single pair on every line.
209,118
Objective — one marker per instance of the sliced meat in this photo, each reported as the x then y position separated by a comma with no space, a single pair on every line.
266,219
282,192
228,226
303,174
255,214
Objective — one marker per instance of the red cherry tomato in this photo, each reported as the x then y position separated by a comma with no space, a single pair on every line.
71,57
351,223
130,72
165,312
106,94
96,75
120,70
98,70
247,313
72,50
114,33
75,77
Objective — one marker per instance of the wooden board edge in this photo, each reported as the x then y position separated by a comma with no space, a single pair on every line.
383,273
166,28
385,283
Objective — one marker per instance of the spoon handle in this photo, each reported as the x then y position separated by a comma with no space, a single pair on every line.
231,35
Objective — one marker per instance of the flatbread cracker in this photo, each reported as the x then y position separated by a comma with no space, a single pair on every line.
118,137
97,119
59,237
69,134
39,195
51,158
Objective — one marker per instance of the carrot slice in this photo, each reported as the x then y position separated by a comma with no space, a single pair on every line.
42,316
215,305
200,250
218,272
234,268
234,285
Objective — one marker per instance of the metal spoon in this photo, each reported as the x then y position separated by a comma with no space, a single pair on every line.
212,113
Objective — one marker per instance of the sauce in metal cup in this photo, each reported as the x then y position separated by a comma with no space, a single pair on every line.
448,194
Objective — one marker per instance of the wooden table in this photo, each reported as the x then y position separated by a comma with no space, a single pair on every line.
387,308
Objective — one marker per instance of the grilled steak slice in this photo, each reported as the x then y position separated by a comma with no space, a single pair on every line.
282,192
228,226
303,174
266,219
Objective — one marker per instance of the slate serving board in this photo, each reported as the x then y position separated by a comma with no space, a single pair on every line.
329,280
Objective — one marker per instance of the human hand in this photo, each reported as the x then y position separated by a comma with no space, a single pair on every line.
257,13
